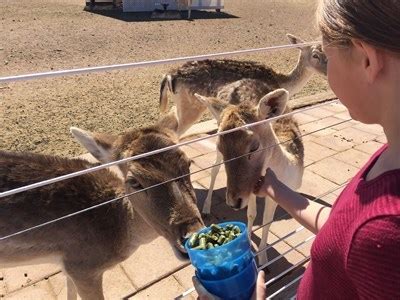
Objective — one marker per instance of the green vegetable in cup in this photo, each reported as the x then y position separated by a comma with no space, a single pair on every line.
216,237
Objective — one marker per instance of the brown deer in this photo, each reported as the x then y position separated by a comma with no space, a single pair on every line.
207,77
249,152
229,79
87,244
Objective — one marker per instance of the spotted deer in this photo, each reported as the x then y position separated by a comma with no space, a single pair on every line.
207,77
221,77
87,244
249,152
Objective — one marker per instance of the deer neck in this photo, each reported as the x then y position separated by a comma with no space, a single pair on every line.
297,78
139,232
279,159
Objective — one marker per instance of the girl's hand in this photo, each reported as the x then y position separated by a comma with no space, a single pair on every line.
260,291
202,292
265,185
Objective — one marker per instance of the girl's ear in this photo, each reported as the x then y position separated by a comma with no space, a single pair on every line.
371,59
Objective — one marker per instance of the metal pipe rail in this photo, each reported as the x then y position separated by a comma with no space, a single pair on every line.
136,157
286,252
151,63
285,287
126,195
282,239
300,263
77,71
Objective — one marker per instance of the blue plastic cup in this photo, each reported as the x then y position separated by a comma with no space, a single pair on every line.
228,271
237,287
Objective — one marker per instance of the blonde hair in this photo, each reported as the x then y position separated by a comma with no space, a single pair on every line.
373,21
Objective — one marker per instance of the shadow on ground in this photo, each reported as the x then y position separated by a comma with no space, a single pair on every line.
158,15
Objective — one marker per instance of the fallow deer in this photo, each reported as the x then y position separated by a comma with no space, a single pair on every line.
230,77
207,77
249,152
87,244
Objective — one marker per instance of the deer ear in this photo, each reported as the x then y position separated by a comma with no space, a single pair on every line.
215,105
169,120
98,144
273,104
294,40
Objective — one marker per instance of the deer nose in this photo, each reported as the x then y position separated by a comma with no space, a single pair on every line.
185,236
181,243
183,239
187,229
237,204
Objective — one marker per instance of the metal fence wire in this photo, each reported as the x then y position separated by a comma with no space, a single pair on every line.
137,157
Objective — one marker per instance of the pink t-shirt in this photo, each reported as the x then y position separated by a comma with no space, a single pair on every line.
356,254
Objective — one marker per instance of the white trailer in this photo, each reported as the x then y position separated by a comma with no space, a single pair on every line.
151,5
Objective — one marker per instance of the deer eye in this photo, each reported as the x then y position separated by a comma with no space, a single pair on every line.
253,148
133,183
315,55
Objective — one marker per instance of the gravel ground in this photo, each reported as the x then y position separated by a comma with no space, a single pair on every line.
45,35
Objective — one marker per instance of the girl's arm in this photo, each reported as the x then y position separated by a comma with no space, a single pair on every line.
310,214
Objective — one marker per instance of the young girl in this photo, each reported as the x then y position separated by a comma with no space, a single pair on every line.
356,253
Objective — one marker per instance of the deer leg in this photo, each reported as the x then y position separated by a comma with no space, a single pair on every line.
187,117
268,217
251,214
214,172
188,109
89,286
189,8
71,290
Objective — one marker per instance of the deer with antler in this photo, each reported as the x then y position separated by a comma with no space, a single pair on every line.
87,244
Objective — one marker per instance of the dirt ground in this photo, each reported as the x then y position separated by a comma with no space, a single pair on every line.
44,35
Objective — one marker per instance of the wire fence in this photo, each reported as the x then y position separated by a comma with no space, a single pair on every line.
282,239
152,63
285,287
271,281
158,151
90,170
